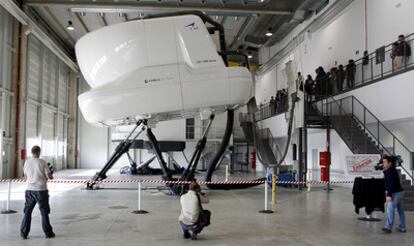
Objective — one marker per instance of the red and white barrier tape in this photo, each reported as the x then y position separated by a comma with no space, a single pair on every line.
153,181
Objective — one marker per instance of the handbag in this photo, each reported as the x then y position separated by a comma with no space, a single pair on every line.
205,215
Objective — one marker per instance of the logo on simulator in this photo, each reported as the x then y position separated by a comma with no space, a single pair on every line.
192,26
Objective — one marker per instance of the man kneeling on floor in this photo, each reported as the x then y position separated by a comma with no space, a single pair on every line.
37,173
190,211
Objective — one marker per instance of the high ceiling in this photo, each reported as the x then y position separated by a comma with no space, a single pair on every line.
245,21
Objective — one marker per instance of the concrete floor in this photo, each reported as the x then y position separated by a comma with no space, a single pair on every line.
103,217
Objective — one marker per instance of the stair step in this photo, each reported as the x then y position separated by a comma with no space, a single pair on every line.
408,200
409,193
408,188
409,207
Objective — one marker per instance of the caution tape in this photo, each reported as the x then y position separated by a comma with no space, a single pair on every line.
154,181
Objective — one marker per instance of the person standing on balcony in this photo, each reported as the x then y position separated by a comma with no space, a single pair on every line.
394,195
320,81
350,74
340,77
272,105
332,80
393,55
299,82
284,100
309,87
402,53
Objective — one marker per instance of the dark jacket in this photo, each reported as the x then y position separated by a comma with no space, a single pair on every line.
392,181
403,49
368,193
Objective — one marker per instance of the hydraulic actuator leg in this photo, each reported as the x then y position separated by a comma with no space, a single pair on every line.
188,174
123,147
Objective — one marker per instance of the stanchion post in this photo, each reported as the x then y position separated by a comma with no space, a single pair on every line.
274,189
266,210
227,173
8,210
139,211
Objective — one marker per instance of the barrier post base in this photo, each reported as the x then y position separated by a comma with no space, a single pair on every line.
8,212
139,212
266,211
369,219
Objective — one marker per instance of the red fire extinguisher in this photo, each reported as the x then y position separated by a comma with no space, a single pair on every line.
253,159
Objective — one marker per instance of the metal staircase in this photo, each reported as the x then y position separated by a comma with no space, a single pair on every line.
363,133
262,138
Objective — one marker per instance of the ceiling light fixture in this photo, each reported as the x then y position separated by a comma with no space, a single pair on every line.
269,32
70,26
250,55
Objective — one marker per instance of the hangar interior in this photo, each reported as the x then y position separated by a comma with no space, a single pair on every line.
128,98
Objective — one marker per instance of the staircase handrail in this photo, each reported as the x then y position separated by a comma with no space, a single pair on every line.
377,121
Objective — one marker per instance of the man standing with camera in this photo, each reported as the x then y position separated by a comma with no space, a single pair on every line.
394,195
37,172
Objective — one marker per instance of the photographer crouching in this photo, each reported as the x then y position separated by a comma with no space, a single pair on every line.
394,195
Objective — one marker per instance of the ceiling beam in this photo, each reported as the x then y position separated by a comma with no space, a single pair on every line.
139,6
34,28
56,24
125,17
102,19
244,30
79,19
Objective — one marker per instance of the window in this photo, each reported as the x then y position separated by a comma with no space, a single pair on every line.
189,128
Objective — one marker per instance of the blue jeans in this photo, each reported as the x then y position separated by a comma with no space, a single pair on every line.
396,203
42,199
196,230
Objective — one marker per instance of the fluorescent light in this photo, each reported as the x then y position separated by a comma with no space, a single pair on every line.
70,26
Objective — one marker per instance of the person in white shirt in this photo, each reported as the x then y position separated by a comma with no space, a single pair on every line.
36,172
190,211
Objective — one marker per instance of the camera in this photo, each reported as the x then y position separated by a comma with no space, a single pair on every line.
50,165
396,159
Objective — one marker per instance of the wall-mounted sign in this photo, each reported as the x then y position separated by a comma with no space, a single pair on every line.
362,165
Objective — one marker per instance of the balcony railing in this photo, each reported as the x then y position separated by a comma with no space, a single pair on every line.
371,68
272,109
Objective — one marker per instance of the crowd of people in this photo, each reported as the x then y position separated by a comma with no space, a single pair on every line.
343,77
336,80
276,105
326,83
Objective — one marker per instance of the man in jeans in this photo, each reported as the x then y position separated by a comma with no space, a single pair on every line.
190,211
394,195
37,173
